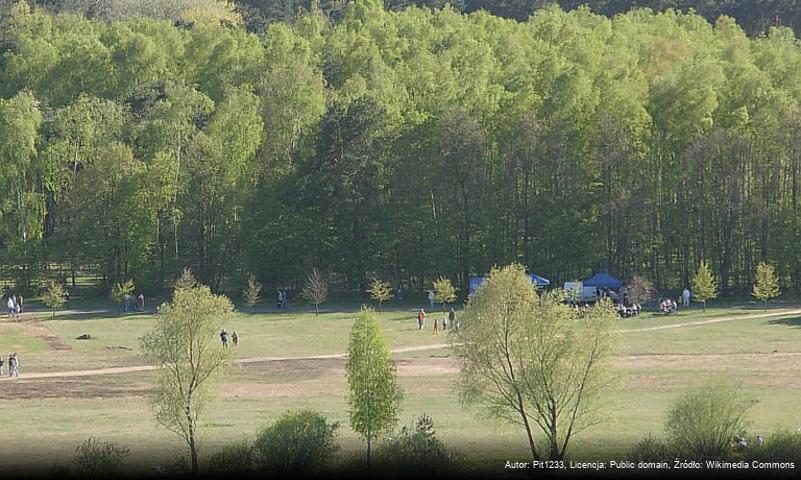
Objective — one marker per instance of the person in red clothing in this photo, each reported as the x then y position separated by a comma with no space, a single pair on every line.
421,319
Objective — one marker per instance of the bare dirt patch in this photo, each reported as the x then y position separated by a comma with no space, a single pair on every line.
70,389
30,326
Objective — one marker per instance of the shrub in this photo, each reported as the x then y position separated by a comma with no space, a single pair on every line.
650,449
299,441
232,458
95,459
779,446
703,422
416,449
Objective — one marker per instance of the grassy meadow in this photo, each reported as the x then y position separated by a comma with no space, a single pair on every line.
56,414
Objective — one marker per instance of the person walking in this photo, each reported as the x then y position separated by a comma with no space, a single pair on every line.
13,365
12,308
436,323
20,302
421,319
224,338
452,318
431,299
685,297
1,366
235,338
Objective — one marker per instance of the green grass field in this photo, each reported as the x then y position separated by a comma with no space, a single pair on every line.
56,414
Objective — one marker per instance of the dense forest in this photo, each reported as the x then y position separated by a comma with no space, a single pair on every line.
403,144
754,16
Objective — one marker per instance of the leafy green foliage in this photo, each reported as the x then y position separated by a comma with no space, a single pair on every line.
444,292
232,458
185,346
532,361
416,449
252,292
766,285
703,284
702,423
120,290
374,395
96,459
299,442
380,291
54,296
374,140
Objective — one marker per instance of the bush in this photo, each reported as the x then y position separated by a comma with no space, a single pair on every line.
232,458
416,449
779,446
703,422
95,459
299,441
650,449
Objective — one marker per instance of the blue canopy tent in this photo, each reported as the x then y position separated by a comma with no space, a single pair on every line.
539,281
603,280
474,282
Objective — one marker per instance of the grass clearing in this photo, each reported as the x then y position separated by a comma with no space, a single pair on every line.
655,365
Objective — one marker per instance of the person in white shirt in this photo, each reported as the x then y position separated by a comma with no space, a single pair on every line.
431,299
685,296
12,308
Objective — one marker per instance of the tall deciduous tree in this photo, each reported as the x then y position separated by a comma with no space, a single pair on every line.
444,292
380,291
374,395
184,346
533,361
703,284
766,285
252,292
54,296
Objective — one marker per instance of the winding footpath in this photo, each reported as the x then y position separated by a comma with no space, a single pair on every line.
147,368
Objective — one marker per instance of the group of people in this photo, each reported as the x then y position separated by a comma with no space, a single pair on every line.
13,365
628,311
668,306
14,304
133,304
224,338
449,322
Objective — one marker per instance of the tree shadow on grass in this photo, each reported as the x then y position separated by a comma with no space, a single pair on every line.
790,322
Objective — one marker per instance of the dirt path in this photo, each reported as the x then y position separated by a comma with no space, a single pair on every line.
714,320
147,368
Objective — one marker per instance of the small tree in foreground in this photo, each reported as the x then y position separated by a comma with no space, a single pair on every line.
184,346
54,296
120,290
380,291
703,285
298,442
375,396
315,290
95,459
416,449
639,289
702,422
232,458
533,361
252,292
444,292
766,285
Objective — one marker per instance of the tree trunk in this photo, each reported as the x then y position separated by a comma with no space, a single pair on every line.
192,446
368,451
